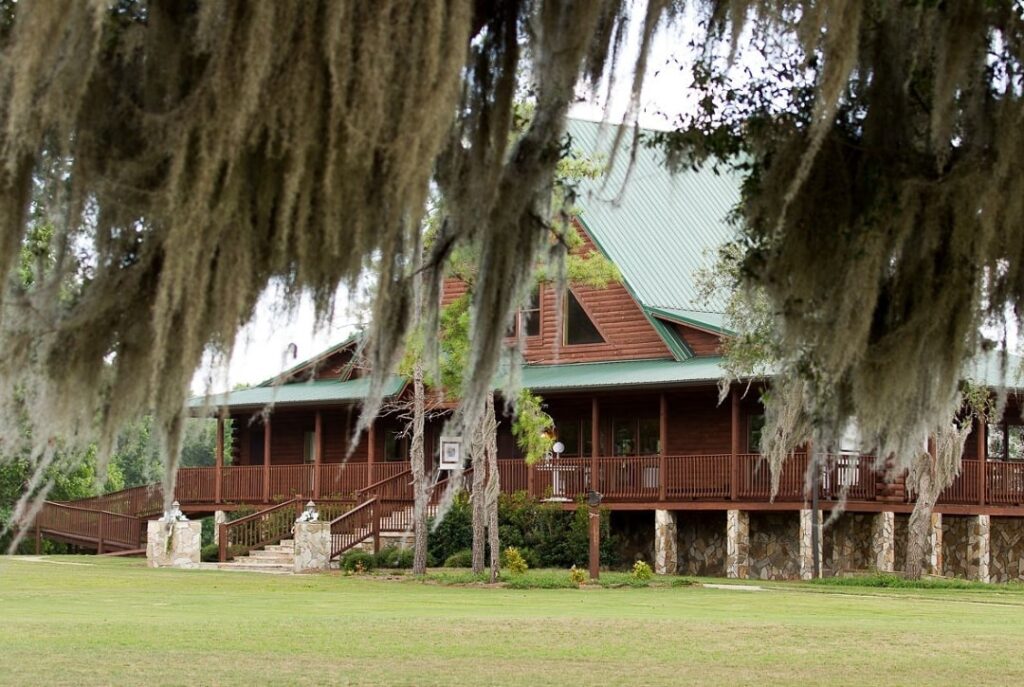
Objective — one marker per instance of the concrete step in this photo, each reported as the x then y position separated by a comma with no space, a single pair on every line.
280,548
272,556
256,567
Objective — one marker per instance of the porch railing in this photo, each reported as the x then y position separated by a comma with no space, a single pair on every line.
103,529
268,526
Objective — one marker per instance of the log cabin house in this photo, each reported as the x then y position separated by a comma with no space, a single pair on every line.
629,374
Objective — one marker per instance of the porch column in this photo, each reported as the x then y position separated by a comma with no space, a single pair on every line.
979,430
737,544
807,553
734,458
883,541
371,450
218,479
935,543
595,440
318,452
666,556
979,554
219,518
662,459
266,459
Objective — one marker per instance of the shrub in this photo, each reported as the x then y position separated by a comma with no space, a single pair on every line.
358,561
514,561
642,571
394,557
578,576
209,553
455,532
460,559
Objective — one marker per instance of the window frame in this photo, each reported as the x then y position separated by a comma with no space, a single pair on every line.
590,318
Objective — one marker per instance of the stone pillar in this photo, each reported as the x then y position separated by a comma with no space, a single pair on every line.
935,545
737,544
173,544
806,543
666,555
979,529
219,518
883,541
312,546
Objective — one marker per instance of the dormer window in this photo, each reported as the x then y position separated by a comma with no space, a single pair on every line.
579,329
528,317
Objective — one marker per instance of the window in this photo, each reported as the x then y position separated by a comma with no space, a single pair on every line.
579,329
636,437
527,319
755,427
394,446
309,447
575,436
1006,442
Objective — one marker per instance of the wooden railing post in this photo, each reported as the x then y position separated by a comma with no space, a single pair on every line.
734,458
376,526
99,533
266,460
371,450
663,441
979,429
595,441
218,485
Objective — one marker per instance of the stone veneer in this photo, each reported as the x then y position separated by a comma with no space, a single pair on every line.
1007,550
806,537
737,552
219,518
775,546
666,540
174,545
846,544
312,546
883,535
702,543
966,546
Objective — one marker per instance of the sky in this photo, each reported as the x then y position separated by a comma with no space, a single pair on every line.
275,341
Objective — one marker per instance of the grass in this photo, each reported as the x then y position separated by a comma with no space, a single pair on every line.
113,621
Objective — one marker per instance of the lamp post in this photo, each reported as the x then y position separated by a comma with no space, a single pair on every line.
594,520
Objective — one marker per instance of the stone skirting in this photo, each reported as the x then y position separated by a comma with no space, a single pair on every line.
775,546
702,543
1007,550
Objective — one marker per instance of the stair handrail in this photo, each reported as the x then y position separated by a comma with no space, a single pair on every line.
377,487
102,533
362,515
268,526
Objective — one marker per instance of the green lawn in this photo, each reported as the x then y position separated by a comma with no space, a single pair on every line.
115,621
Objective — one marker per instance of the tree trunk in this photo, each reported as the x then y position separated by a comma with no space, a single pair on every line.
419,477
919,528
479,497
493,489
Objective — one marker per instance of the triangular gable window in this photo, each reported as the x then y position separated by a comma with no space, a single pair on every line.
579,329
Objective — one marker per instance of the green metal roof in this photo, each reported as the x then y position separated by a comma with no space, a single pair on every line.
620,374
304,393
658,228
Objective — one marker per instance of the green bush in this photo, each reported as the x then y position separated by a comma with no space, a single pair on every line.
577,576
455,532
394,557
460,559
513,561
358,561
642,572
209,553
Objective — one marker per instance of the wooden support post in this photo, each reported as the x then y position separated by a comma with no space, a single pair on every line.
376,526
318,453
266,460
734,458
222,541
979,430
371,452
218,458
39,539
594,520
663,446
595,441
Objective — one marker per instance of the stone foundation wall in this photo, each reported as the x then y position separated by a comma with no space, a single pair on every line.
955,544
702,545
634,536
901,533
1007,563
846,544
775,546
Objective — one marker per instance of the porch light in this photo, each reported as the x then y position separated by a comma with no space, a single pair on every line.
310,513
